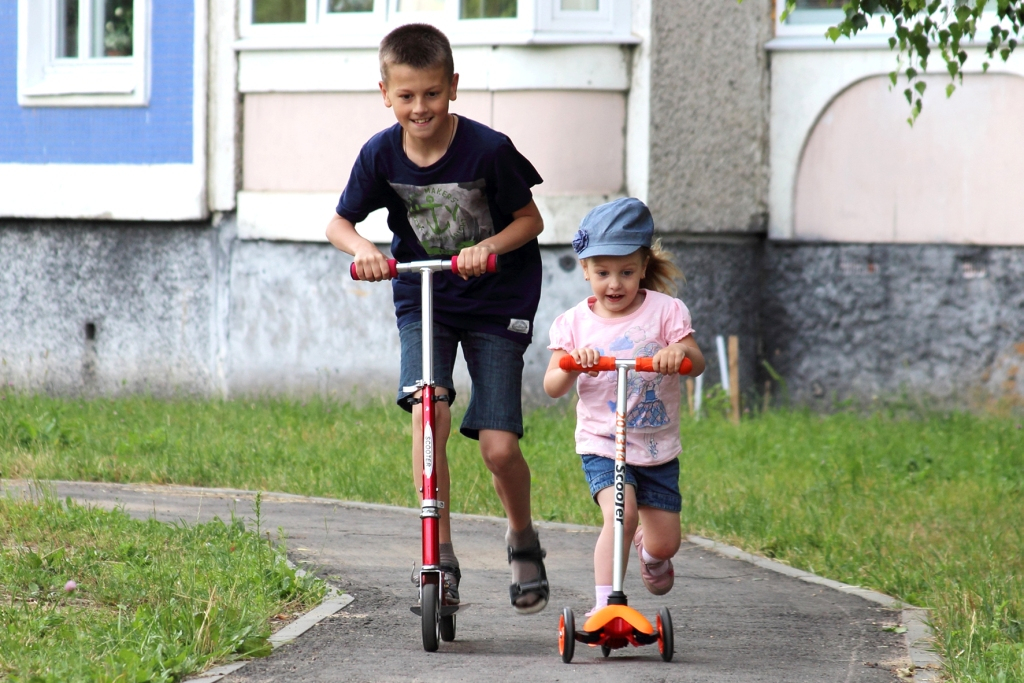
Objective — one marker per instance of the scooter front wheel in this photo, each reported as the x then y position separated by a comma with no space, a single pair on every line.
429,616
566,635
666,644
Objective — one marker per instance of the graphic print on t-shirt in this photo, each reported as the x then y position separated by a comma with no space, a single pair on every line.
447,217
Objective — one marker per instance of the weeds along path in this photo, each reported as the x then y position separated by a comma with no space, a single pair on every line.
733,621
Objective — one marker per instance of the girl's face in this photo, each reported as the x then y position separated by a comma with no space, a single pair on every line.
615,281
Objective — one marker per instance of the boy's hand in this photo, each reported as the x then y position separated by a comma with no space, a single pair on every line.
473,260
586,357
371,264
667,360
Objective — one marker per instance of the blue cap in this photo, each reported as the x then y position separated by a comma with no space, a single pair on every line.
614,229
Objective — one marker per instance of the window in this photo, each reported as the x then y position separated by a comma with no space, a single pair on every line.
362,23
82,52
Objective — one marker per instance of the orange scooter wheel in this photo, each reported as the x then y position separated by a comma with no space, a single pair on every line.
566,635
666,644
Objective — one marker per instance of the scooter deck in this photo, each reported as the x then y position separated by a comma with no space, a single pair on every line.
445,610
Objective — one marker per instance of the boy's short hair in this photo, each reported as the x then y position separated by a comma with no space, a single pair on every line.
420,46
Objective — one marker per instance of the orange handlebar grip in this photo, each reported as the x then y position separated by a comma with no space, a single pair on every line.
645,365
604,363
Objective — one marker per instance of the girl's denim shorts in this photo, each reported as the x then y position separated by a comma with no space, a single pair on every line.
656,486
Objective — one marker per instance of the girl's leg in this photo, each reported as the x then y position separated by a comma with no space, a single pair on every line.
603,549
657,541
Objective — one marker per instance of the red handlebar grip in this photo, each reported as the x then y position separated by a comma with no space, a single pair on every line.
605,363
492,263
392,269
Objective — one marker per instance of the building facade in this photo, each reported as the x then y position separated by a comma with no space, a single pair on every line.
168,167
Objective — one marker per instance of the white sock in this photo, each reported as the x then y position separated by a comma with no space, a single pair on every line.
655,565
601,594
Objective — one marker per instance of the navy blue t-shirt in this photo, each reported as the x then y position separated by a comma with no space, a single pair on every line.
435,211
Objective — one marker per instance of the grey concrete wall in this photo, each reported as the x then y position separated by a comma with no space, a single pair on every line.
191,309
709,115
147,292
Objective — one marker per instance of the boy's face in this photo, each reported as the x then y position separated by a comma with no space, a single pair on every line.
420,99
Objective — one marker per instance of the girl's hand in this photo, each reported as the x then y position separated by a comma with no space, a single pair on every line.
667,360
473,260
371,265
587,357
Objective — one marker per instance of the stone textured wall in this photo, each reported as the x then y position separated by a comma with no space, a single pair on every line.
864,321
709,115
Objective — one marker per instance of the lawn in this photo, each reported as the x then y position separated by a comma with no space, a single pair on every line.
88,594
925,506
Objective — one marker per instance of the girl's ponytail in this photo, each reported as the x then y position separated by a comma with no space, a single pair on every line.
661,273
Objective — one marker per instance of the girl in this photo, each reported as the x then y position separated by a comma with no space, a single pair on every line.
631,314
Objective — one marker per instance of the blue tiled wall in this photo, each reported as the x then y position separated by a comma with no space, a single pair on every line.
160,133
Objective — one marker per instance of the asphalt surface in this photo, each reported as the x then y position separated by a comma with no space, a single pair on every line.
734,621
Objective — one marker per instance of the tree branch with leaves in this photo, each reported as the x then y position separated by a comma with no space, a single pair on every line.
921,27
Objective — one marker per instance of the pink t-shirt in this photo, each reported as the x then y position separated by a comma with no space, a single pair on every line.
652,400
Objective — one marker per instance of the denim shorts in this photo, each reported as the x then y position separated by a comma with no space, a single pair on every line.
495,368
656,486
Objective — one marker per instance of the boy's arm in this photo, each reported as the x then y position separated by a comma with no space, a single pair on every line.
526,225
371,264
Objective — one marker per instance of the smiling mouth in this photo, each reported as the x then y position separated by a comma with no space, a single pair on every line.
421,122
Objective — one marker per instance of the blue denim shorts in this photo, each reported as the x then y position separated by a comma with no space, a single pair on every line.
656,486
495,368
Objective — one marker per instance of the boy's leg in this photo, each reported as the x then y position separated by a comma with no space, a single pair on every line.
494,416
445,346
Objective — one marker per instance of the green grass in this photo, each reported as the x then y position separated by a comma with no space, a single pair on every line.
153,601
925,506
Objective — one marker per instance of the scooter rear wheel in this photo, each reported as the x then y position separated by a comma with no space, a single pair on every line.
566,635
429,616
605,650
666,644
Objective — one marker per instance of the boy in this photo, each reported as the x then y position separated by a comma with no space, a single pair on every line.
454,186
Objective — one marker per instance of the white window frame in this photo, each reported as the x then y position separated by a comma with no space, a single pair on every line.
44,80
536,21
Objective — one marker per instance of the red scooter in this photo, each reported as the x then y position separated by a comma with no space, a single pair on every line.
437,618
617,625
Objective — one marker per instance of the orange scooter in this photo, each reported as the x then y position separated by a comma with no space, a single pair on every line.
617,625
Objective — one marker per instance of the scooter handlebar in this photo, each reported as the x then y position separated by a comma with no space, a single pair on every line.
453,265
606,363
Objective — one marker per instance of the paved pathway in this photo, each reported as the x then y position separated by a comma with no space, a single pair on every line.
734,621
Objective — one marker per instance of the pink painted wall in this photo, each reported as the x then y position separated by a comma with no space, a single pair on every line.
307,142
867,176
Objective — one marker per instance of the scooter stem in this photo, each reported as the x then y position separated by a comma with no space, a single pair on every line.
618,597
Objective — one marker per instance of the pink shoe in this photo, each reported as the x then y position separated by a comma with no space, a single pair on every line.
660,584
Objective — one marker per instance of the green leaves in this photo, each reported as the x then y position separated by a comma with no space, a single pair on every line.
922,26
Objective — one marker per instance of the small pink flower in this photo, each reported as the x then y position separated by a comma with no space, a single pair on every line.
70,587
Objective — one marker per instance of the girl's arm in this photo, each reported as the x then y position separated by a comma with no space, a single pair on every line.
558,382
668,359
